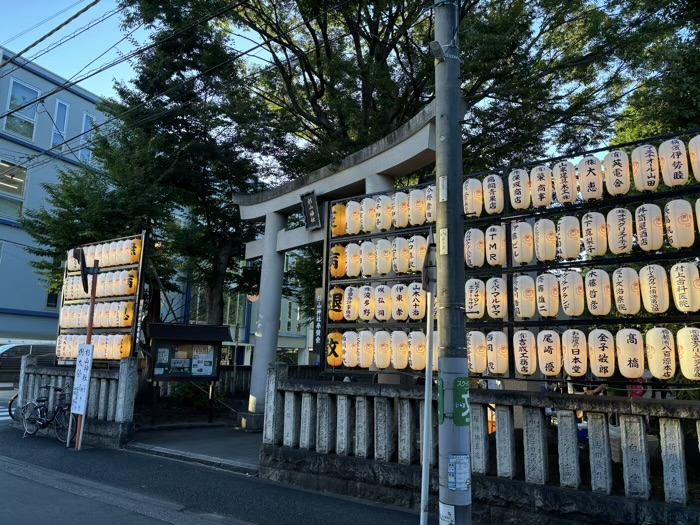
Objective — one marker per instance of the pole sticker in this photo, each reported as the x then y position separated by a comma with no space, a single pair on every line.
461,412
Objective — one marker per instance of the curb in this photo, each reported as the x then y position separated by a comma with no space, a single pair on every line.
210,461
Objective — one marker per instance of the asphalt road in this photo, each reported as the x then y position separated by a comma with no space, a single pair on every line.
5,396
193,493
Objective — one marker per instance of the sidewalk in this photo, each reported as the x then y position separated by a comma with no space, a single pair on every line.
215,446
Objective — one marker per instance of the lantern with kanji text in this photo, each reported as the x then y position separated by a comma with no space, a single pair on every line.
336,304
689,352
541,186
598,292
400,255
626,291
496,298
523,243
399,209
334,349
654,288
565,185
575,352
590,178
645,168
497,352
351,353
353,259
694,152
430,204
472,194
366,303
685,285
601,349
417,248
416,301
495,241
337,259
476,351
650,227
399,302
338,224
545,240
382,204
594,232
630,353
674,163
569,237
416,350
493,194
351,303
368,259
547,288
519,189
617,172
383,255
524,297
474,242
661,353
620,231
524,348
549,352
475,298
680,229
382,303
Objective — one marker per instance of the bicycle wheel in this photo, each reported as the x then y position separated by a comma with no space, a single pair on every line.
30,417
12,409
61,423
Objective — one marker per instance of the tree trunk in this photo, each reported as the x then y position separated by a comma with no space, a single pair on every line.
215,287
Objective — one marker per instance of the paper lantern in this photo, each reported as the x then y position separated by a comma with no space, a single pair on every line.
382,303
124,257
617,172
685,284
334,349
598,292
382,349
575,352
400,255
601,348
472,195
399,209
475,298
114,312
545,240
522,243
571,292
353,217
430,204
337,260
416,301
476,352
417,248
645,168
650,227
382,205
495,241
630,353
661,353
654,284
541,186
383,255
497,352
689,352
123,346
565,182
351,303
366,303
366,348
336,304
524,297
132,282
519,189
353,259
679,223
351,352
368,216
416,350
368,259
524,346
620,231
89,257
496,298
547,295
113,253
399,350
590,178
569,237
474,248
594,232
626,291
673,162
694,152
493,194
126,314
549,352
416,207
399,302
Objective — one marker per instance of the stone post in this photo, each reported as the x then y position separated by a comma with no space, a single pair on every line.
273,429
569,471
673,457
292,417
307,435
346,425
268,313
407,425
126,391
635,456
364,427
535,443
325,424
24,393
480,439
505,442
383,428
599,452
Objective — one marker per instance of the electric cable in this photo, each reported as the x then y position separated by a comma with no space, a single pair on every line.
42,22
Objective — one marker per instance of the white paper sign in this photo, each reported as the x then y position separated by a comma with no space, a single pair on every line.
81,383
447,514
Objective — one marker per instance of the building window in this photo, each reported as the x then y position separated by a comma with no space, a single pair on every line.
52,300
86,137
60,118
22,122
12,182
289,316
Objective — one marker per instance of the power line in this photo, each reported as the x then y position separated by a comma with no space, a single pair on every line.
38,24
54,30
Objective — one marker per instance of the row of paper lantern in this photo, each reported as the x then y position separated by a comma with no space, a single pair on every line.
115,253
384,212
535,189
378,257
110,284
382,302
629,291
110,347
382,349
118,314
599,351
598,235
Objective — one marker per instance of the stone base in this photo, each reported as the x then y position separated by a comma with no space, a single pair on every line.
252,421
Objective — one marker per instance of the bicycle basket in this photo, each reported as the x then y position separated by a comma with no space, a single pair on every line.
64,398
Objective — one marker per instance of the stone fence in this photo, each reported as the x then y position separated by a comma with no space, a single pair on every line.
235,380
110,409
364,439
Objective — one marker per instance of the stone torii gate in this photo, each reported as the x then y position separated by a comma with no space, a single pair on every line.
370,170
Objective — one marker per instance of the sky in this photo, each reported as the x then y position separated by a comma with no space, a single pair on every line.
70,57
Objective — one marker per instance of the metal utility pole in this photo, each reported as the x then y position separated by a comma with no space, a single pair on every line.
453,380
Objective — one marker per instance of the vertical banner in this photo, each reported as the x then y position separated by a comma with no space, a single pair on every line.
318,322
81,383
309,206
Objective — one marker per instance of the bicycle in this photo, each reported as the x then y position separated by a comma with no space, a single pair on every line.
12,409
35,415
